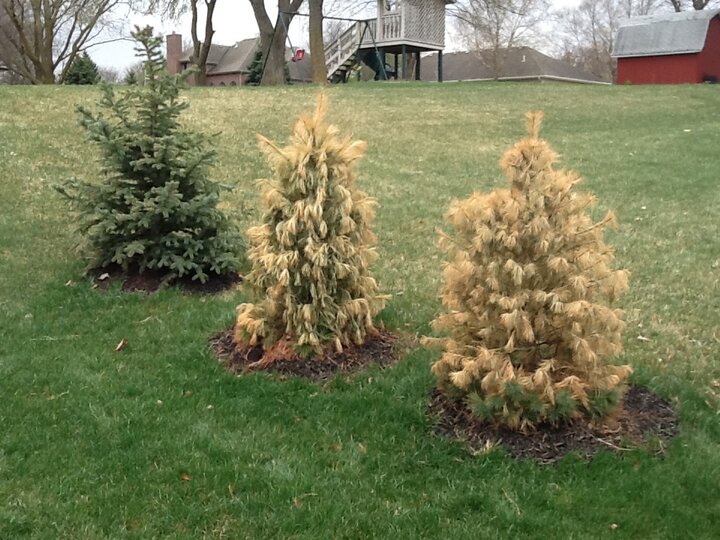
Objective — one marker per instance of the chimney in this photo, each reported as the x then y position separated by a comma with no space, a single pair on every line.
174,52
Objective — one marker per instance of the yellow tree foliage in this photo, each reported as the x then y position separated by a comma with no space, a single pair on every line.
311,254
527,293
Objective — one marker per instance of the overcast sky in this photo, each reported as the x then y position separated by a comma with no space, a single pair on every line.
233,21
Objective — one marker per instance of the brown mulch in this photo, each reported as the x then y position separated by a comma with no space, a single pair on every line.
645,421
378,350
151,281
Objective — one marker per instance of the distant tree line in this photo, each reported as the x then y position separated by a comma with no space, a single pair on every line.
42,40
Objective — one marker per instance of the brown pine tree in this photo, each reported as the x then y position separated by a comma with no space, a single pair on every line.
527,293
311,255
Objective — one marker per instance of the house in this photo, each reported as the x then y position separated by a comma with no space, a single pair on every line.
229,65
670,48
515,64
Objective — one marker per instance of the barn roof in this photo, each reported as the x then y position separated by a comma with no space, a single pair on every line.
663,34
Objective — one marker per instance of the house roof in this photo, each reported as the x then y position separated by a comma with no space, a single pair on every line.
227,58
520,63
663,34
237,59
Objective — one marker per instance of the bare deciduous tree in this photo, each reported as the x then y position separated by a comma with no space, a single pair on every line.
490,27
42,38
173,9
588,32
698,5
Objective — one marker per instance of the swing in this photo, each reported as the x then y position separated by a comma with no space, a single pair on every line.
297,54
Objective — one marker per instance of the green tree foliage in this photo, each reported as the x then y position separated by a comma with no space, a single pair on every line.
130,78
527,290
83,71
154,207
312,253
256,68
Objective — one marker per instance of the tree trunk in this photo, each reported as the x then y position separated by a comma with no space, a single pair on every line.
317,45
275,64
201,49
272,38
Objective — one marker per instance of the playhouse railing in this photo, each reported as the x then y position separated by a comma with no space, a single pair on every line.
421,24
392,27
340,50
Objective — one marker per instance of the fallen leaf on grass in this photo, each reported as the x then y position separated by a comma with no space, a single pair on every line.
613,526
297,502
362,448
185,477
643,339
120,346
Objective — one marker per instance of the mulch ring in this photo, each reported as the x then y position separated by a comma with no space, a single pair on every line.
150,281
377,350
645,421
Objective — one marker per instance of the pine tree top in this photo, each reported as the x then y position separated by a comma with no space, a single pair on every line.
315,145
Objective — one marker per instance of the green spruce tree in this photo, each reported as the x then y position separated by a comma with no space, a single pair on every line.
256,68
130,78
154,207
83,71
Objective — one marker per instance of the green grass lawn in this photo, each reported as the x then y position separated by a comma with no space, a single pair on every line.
158,441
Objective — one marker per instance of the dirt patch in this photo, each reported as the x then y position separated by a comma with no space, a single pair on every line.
150,281
645,421
378,350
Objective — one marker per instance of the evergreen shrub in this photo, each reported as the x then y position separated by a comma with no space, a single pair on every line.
154,207
527,293
83,71
311,254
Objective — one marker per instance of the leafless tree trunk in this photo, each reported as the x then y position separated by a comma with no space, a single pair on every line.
317,45
273,37
201,49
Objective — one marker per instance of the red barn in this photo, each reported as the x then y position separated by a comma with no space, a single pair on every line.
671,48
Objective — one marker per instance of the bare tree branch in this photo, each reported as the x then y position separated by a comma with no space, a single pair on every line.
41,36
490,27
